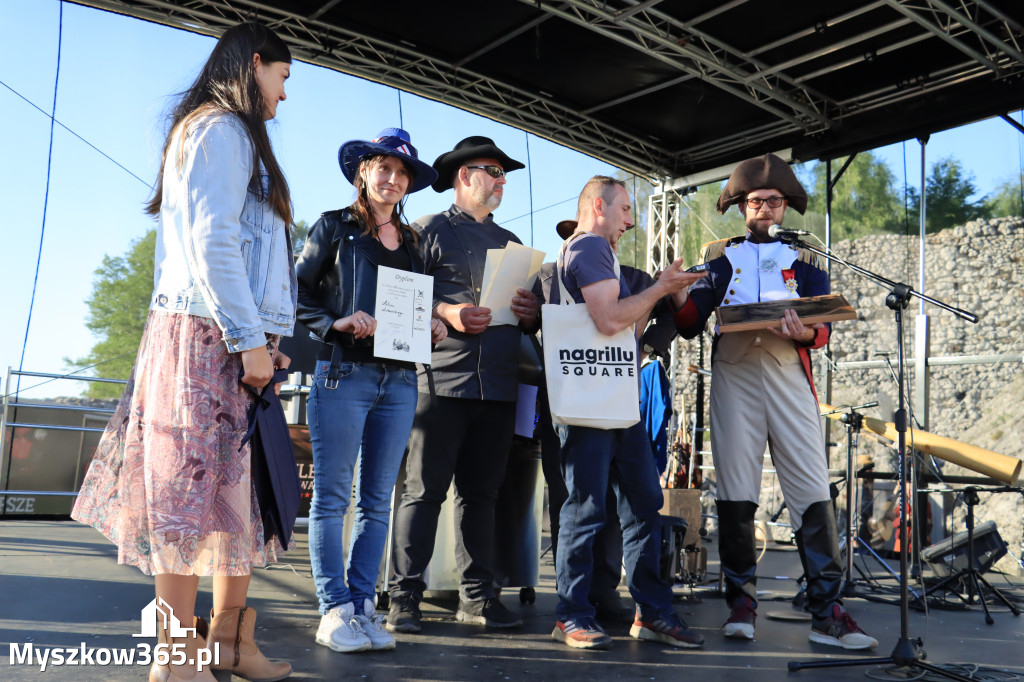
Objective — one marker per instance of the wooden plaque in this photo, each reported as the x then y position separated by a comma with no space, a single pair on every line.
813,309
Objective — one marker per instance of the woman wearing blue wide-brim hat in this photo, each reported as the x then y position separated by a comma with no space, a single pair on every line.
358,402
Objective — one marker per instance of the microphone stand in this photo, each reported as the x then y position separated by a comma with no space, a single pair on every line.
906,653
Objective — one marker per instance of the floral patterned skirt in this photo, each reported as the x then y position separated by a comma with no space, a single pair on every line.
168,484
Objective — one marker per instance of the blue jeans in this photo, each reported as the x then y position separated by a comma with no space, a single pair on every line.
593,459
371,410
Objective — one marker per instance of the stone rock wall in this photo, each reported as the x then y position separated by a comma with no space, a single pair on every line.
978,267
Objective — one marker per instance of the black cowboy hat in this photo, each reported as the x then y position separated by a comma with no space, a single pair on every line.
565,228
474,147
391,142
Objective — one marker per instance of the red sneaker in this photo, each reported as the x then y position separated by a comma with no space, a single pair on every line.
840,630
741,620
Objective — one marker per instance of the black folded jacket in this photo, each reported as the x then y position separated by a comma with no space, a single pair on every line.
274,474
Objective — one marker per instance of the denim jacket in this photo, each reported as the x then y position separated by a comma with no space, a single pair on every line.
221,252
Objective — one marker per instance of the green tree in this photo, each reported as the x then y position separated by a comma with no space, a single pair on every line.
299,232
118,306
864,200
949,188
699,221
632,247
1007,199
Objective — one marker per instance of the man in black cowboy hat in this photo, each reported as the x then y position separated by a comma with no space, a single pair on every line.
763,392
465,432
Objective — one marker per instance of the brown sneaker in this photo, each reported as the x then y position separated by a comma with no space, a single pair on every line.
839,629
741,620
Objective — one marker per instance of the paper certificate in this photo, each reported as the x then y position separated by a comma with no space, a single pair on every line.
505,270
404,301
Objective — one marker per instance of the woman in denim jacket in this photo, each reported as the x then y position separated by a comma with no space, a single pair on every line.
358,402
170,484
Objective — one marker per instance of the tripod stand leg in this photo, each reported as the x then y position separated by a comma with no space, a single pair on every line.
939,671
998,595
945,581
800,665
866,548
973,577
904,655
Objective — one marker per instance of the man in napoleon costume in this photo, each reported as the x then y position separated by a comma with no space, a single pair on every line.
762,392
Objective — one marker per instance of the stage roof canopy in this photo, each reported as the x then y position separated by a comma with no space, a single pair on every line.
665,88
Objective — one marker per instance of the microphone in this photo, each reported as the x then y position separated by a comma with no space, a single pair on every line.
778,231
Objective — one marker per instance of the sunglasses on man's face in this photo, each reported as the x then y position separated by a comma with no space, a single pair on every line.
493,171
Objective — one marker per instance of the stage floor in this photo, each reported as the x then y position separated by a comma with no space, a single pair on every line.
60,586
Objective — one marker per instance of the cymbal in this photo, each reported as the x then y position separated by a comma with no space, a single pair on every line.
986,462
826,411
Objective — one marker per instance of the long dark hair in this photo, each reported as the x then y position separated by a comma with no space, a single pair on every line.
364,209
228,83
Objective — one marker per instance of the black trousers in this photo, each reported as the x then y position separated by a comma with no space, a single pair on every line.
464,440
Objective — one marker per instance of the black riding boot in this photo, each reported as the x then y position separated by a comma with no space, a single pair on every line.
818,544
736,549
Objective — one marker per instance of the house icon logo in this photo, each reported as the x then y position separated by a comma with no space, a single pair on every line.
158,608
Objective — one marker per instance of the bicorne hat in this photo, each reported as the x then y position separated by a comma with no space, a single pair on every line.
764,172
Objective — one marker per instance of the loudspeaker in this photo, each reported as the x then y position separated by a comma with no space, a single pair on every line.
952,554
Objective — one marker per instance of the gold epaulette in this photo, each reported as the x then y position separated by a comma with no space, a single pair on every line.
811,258
713,250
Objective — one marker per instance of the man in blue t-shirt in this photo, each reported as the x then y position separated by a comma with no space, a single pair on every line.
656,339
594,459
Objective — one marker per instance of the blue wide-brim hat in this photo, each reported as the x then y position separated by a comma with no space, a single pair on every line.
392,142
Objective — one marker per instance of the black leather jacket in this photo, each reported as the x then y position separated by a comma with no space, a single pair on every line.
337,274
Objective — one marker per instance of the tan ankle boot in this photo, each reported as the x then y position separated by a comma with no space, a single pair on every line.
193,644
234,631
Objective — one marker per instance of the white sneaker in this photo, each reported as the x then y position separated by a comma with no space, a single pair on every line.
373,627
340,630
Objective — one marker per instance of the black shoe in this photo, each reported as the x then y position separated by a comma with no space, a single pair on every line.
614,609
404,615
488,612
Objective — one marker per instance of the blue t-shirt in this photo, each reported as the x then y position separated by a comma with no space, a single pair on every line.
588,259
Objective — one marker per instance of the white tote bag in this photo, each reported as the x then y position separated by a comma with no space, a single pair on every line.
591,378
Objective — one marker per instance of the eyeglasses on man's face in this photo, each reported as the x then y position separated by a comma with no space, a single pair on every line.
773,202
493,171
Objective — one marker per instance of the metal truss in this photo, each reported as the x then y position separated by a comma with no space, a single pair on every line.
664,213
393,64
989,40
697,54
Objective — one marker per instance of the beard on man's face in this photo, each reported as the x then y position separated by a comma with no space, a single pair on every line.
483,196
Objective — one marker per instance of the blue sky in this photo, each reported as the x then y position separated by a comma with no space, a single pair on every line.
117,76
